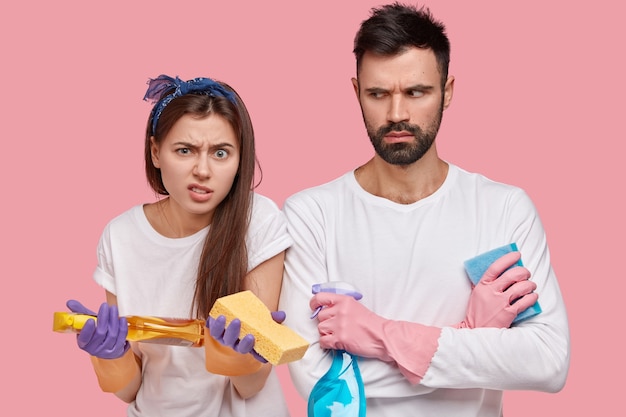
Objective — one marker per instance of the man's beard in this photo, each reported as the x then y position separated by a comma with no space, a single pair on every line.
404,153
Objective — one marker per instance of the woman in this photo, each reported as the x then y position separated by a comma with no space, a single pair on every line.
208,236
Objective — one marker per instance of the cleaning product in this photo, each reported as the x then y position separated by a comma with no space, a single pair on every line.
167,331
340,391
477,266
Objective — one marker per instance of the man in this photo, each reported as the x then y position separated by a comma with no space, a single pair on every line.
399,229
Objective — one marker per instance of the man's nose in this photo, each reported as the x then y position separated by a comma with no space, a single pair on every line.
398,109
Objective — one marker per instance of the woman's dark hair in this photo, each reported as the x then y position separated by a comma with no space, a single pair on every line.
224,260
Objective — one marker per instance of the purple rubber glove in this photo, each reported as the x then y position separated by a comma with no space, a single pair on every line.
106,338
229,336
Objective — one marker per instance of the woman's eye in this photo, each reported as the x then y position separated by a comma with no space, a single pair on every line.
183,151
221,154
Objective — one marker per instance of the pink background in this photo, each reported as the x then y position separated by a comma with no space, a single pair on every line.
539,103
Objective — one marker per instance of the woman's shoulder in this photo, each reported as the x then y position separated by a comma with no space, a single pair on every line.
263,204
265,214
127,217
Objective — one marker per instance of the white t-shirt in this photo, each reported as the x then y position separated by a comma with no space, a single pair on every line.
407,261
155,276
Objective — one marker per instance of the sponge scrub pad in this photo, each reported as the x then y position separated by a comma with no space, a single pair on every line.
477,266
275,342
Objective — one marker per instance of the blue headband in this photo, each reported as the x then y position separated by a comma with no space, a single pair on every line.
157,86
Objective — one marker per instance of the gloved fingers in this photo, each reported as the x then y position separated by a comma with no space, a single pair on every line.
217,327
523,302
112,330
329,341
86,334
116,332
499,266
327,299
340,306
93,339
334,326
102,327
231,335
326,341
279,316
326,313
123,332
321,299
111,352
105,338
325,327
510,277
246,344
519,289
76,307
115,343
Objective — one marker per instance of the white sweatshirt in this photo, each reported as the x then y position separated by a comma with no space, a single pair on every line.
407,261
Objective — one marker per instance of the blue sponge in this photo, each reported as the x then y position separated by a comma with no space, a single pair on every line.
477,266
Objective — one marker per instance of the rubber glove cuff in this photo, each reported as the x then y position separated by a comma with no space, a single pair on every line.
115,374
346,324
411,346
223,360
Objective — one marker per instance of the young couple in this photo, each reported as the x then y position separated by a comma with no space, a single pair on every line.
398,228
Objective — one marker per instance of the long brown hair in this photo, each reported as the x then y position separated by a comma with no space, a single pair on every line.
224,260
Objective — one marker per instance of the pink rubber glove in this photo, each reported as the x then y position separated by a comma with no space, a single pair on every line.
490,302
345,324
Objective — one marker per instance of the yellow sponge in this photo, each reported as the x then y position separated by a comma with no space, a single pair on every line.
275,342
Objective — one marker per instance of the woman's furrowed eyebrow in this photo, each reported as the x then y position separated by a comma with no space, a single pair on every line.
212,146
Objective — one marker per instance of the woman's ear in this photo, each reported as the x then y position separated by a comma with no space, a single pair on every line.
154,151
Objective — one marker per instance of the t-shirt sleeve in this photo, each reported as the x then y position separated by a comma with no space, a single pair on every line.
104,274
267,234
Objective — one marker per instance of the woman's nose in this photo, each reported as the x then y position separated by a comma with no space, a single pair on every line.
202,168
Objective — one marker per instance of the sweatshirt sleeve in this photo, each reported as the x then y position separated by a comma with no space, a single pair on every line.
531,355
305,265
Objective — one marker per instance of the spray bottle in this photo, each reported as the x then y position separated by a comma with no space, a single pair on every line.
178,332
340,391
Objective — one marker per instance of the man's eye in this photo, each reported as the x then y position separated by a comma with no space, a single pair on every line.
416,93
377,94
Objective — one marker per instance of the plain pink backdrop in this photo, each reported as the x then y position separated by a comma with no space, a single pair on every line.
538,103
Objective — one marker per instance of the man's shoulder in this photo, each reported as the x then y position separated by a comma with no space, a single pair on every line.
467,179
328,190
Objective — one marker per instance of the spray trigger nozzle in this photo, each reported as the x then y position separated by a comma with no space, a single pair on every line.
335,287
